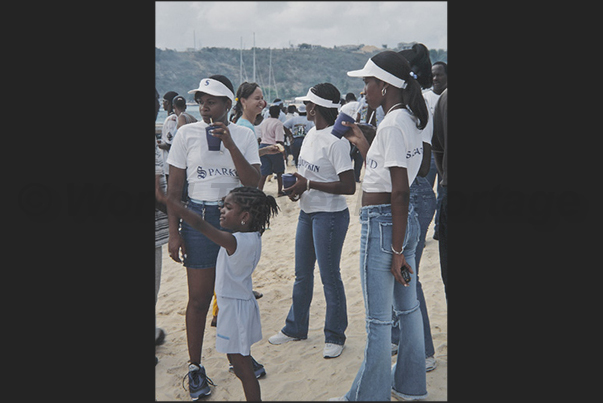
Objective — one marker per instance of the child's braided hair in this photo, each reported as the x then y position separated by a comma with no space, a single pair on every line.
260,206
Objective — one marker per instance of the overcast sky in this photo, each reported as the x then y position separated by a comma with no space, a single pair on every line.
279,24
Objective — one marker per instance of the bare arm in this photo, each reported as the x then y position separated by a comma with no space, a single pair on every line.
222,238
346,185
176,180
249,175
399,201
426,161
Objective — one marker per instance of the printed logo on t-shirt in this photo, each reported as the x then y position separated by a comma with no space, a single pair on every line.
202,173
414,152
307,165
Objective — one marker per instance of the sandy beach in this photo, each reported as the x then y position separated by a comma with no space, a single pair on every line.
296,371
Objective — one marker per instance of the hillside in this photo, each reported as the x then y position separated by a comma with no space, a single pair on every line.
295,70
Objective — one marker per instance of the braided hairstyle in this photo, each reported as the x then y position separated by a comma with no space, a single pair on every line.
260,206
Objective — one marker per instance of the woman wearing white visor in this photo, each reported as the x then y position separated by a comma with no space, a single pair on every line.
390,232
325,174
211,173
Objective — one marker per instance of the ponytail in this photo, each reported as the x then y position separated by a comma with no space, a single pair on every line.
415,102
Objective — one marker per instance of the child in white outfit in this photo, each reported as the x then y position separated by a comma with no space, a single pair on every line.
246,211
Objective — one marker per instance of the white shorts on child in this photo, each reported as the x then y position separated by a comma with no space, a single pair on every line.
239,325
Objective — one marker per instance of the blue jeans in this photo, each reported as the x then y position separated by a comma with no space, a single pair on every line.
423,201
319,237
375,379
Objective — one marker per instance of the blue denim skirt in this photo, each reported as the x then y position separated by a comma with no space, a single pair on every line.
201,253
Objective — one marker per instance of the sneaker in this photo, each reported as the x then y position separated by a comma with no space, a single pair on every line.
400,396
332,350
198,382
159,336
258,368
281,338
430,363
394,349
338,399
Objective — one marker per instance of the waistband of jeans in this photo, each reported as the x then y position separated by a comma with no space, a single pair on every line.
204,202
380,209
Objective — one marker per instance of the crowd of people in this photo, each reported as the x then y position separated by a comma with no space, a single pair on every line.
211,211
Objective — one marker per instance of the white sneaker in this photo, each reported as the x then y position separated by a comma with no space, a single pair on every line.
397,395
281,338
430,363
332,350
338,399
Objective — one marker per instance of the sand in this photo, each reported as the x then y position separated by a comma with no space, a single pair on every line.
296,371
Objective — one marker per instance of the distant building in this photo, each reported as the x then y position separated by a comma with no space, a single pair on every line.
349,47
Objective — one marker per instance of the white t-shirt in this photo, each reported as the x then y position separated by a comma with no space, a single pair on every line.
431,98
350,108
240,323
427,132
397,143
210,174
322,158
168,131
233,273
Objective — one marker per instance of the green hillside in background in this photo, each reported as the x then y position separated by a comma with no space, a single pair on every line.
294,70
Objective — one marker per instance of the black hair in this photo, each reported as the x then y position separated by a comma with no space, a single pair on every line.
244,91
420,63
350,97
330,92
394,63
179,101
224,80
443,64
260,206
275,111
169,96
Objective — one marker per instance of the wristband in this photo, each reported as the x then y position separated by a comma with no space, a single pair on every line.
308,185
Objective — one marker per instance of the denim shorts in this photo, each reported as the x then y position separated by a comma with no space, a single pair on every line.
271,163
201,253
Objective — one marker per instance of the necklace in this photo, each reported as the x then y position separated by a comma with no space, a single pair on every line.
390,109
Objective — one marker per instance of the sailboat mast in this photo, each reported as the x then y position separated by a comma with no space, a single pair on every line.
241,64
270,72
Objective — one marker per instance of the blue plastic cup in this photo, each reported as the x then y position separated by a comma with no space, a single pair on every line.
213,142
288,181
338,129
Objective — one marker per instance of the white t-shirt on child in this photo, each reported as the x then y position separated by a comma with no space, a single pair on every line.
233,273
397,143
322,158
239,322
